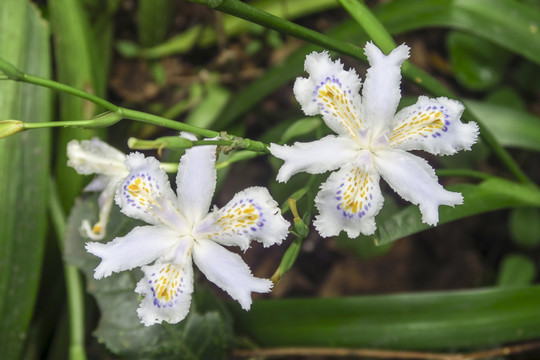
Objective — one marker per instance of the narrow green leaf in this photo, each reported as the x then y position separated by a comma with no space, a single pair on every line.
154,18
476,63
492,194
511,127
204,37
525,226
438,320
508,23
207,111
516,270
74,56
301,127
25,161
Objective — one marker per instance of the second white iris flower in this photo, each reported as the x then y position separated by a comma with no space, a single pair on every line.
372,141
182,231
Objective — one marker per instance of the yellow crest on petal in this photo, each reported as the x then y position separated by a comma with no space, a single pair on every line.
333,99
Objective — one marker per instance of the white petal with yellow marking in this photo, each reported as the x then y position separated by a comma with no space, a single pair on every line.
348,200
252,214
146,194
167,290
332,92
433,125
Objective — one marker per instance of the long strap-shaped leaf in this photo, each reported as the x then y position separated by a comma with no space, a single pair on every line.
24,169
438,320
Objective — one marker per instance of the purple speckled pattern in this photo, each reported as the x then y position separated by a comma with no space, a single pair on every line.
354,195
431,121
167,285
243,217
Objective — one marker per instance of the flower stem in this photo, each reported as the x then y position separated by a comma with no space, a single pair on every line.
115,114
75,292
381,37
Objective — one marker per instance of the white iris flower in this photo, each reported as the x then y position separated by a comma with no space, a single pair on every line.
372,141
97,157
182,231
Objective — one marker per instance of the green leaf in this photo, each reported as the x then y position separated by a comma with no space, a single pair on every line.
491,194
477,64
205,37
516,270
525,226
301,127
436,320
204,334
24,162
154,18
511,127
507,23
207,111
75,65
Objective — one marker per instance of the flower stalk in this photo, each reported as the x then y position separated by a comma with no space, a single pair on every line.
116,113
74,287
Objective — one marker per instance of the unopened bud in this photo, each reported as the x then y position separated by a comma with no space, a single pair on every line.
171,142
10,127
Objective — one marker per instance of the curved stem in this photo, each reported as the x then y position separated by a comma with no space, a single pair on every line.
116,112
75,292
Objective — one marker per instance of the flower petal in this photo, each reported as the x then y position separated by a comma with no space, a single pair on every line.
315,157
433,125
106,198
228,271
348,200
331,92
415,181
196,181
95,157
147,195
140,246
252,214
167,290
381,94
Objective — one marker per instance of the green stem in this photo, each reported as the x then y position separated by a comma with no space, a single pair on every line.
410,71
373,27
75,292
116,112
